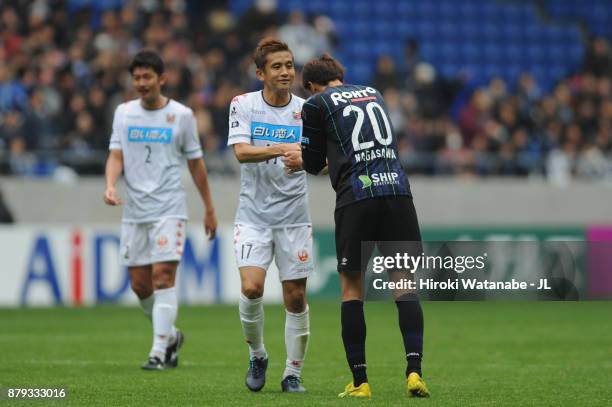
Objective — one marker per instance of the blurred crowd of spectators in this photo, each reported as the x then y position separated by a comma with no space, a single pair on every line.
464,127
63,70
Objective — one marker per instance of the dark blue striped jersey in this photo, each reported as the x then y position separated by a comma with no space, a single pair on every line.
349,126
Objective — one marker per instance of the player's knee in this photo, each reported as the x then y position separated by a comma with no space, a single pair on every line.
141,289
163,278
295,299
163,283
351,286
296,304
252,290
351,292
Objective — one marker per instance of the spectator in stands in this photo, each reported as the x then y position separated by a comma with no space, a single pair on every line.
82,139
257,20
597,60
325,26
408,63
12,128
12,93
507,115
392,99
475,115
592,163
498,90
528,92
304,41
563,97
386,76
560,164
39,128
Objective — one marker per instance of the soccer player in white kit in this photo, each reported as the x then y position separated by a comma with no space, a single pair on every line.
152,136
272,219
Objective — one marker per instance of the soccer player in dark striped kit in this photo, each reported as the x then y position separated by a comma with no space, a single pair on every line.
347,131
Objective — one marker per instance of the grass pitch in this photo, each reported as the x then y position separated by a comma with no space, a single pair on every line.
476,354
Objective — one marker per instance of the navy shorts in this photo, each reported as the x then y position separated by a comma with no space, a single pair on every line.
380,219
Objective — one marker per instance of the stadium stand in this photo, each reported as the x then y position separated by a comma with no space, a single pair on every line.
595,14
481,37
475,87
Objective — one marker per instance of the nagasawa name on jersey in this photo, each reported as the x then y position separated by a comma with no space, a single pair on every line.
155,144
268,195
349,125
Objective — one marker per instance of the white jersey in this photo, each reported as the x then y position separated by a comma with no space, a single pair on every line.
269,197
155,144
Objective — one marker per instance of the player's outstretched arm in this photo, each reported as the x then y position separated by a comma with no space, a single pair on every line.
114,167
247,153
197,168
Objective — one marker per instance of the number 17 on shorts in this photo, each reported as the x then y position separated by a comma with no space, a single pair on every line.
290,247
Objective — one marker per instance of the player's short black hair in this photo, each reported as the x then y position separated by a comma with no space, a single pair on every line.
148,59
265,47
322,70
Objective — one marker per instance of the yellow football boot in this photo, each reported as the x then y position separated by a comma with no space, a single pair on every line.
363,391
415,386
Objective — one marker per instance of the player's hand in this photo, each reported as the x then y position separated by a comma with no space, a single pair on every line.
289,147
293,160
111,197
210,224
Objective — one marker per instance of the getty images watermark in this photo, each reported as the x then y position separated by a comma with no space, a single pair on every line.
408,263
475,270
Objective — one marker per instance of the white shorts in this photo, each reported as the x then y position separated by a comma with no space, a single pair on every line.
291,248
153,242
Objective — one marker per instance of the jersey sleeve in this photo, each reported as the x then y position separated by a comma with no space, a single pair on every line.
314,144
239,123
192,148
115,140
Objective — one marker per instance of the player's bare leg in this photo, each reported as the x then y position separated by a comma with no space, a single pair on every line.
141,281
297,333
354,333
252,319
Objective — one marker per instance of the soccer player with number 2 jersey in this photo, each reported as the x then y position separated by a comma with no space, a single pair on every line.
151,139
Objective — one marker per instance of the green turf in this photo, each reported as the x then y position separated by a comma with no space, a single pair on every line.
476,353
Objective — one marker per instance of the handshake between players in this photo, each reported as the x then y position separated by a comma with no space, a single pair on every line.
293,158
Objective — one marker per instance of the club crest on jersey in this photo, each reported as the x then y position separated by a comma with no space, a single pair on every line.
170,117
303,256
297,115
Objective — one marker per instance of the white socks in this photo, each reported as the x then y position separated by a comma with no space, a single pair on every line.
297,333
252,320
147,305
164,313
